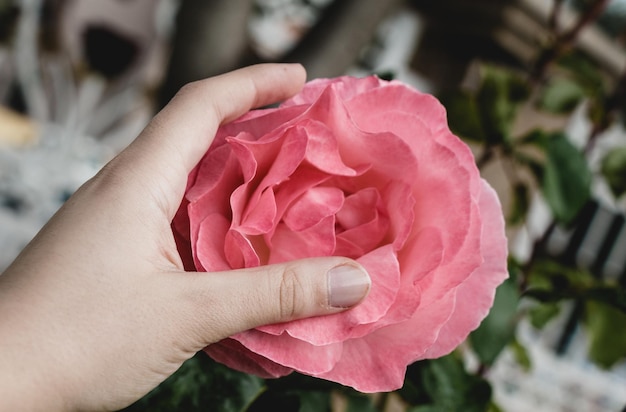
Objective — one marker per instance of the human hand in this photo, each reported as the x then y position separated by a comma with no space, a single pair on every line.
98,310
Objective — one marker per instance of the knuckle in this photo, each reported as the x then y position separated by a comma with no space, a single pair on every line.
292,302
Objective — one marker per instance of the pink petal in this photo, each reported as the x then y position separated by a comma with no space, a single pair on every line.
474,297
265,164
317,240
323,150
260,217
239,251
314,205
259,123
303,179
290,352
209,244
389,156
362,221
234,355
346,87
395,98
400,204
359,208
377,362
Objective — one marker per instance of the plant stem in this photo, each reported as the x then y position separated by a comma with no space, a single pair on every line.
553,23
564,42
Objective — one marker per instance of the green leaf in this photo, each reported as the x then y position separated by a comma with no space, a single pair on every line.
444,385
561,95
464,116
200,385
585,72
606,327
498,99
566,179
314,401
540,314
536,137
452,388
497,330
521,355
613,169
360,403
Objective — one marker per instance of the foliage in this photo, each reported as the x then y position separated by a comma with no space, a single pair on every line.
484,115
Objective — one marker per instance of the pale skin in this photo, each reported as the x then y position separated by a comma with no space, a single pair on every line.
98,310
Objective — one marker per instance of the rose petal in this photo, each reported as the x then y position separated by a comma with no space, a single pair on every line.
233,354
396,98
317,240
209,246
264,163
389,156
239,251
314,205
322,149
401,204
362,221
260,217
259,123
377,362
345,87
474,297
359,208
290,352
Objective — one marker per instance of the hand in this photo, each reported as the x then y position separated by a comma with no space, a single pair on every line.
97,310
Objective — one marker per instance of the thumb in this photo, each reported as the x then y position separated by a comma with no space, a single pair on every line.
225,303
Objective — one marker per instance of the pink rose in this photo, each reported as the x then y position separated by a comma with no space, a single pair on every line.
361,168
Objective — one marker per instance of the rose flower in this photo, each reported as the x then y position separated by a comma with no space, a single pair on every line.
361,168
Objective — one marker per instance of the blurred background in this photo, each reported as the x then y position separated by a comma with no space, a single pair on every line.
536,87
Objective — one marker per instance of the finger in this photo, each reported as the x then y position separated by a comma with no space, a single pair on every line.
175,140
188,123
218,305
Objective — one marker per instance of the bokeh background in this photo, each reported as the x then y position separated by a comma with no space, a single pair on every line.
536,87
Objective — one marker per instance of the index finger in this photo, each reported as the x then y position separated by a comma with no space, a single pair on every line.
177,138
188,123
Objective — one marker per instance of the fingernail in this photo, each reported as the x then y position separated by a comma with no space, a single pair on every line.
347,285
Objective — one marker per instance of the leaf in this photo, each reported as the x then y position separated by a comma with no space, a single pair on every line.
202,384
606,327
497,330
360,403
613,169
586,73
566,179
314,401
561,95
540,314
296,392
464,116
452,388
498,99
521,355
444,385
